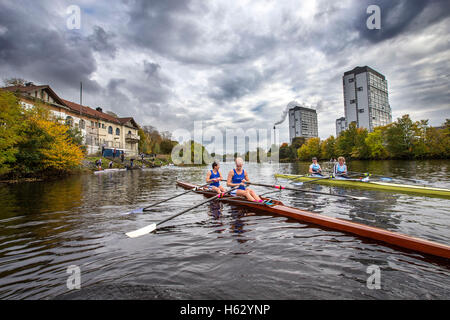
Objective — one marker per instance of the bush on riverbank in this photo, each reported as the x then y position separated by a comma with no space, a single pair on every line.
403,139
33,143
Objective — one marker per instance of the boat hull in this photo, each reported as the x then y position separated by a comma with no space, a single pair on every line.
394,187
393,238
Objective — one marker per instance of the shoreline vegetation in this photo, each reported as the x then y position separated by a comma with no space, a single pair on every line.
400,140
36,146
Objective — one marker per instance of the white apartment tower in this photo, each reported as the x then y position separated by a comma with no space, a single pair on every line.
302,123
366,98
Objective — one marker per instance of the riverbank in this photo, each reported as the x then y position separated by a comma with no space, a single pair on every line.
88,166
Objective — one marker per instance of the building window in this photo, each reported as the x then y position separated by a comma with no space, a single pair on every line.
352,101
69,121
110,130
81,124
361,110
117,132
351,80
360,88
103,126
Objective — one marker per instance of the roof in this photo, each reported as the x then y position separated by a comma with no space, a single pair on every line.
123,121
27,89
78,108
75,107
358,70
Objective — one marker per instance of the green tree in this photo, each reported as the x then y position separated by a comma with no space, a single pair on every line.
10,130
328,148
375,144
310,149
346,141
399,138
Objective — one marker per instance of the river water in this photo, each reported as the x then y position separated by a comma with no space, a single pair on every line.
217,251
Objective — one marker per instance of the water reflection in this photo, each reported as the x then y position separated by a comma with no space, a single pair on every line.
46,226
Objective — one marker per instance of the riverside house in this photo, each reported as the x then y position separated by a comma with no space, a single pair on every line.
99,129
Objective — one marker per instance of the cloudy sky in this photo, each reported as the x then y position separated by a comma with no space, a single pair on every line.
231,64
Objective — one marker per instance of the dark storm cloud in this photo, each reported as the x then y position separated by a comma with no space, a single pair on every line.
169,63
31,49
399,17
162,25
101,41
235,83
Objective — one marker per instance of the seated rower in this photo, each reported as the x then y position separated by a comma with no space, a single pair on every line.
340,168
238,177
314,168
213,177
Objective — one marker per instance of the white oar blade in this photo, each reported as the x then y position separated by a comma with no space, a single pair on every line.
141,232
297,183
360,198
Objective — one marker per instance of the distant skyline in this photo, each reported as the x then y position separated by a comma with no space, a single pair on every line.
231,64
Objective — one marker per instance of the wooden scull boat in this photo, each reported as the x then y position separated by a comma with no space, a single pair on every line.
393,238
384,186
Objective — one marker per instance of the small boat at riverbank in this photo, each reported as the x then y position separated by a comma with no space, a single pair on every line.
278,208
377,185
109,170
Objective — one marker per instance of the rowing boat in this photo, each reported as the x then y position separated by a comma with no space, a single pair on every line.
109,170
385,186
278,208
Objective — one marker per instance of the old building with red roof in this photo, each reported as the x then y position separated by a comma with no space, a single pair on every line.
100,130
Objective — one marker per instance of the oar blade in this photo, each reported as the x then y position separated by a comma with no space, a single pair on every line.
386,179
141,232
136,211
297,183
360,198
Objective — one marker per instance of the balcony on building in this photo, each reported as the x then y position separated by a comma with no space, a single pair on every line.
129,137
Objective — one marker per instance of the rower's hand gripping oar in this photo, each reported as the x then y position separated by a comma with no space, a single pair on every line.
152,227
141,210
307,191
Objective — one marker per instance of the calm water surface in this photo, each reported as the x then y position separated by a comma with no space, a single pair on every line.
216,251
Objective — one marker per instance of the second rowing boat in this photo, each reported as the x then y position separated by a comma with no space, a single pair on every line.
385,186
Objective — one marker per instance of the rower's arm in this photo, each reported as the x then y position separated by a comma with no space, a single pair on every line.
246,177
230,176
208,175
310,169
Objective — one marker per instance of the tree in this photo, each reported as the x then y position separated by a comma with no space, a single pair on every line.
360,149
399,138
374,142
14,82
167,146
10,130
328,148
346,141
61,153
310,149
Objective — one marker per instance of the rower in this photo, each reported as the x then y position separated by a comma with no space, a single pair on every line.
340,168
213,177
238,177
314,168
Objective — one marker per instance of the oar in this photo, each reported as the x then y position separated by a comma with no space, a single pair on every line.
141,210
321,178
307,191
152,227
300,183
384,178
